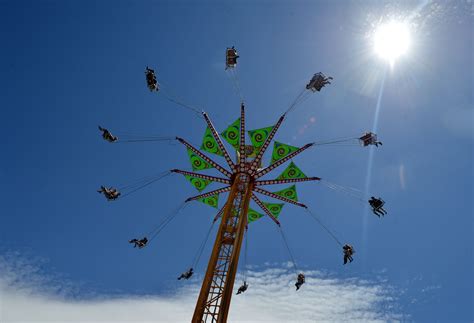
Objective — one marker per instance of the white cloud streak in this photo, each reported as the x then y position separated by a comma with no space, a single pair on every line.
29,296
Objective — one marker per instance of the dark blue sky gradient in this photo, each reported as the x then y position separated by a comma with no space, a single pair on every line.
67,66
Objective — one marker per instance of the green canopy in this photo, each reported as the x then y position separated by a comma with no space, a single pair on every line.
209,144
197,162
281,150
253,215
232,134
291,172
211,200
198,183
289,193
274,208
259,136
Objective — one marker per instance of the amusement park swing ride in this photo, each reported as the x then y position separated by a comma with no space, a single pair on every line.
241,179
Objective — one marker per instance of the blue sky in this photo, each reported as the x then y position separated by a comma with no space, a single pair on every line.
68,66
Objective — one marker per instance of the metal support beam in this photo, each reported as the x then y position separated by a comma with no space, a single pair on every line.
219,214
216,291
285,181
281,161
218,139
197,175
265,209
207,159
278,197
242,150
256,162
211,193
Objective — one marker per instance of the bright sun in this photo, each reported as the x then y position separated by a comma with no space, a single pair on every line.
392,40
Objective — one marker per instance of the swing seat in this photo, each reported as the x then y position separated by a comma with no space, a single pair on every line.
231,57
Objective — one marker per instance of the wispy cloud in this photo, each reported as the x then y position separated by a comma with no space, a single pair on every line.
27,295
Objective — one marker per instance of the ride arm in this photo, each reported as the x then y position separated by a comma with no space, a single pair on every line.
285,181
278,197
202,176
256,162
265,209
281,161
242,155
219,214
211,193
219,141
207,159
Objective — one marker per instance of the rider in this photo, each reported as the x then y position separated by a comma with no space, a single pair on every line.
318,81
187,274
242,288
370,138
231,57
376,143
377,206
107,135
151,79
139,243
110,193
348,251
300,280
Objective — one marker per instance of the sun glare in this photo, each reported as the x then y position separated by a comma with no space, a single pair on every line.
392,40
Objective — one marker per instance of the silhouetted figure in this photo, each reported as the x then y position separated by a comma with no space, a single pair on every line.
110,193
151,79
186,274
370,138
242,288
107,135
377,206
139,243
300,280
318,81
348,251
231,57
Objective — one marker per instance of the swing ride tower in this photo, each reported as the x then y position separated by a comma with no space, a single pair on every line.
216,292
242,181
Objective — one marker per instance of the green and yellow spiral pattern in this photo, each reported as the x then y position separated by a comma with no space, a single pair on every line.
253,215
197,163
209,144
292,172
281,151
211,200
199,183
289,193
274,208
259,136
232,134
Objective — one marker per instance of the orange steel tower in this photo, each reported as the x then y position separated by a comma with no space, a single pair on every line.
216,291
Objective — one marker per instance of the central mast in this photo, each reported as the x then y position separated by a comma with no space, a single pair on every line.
216,292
